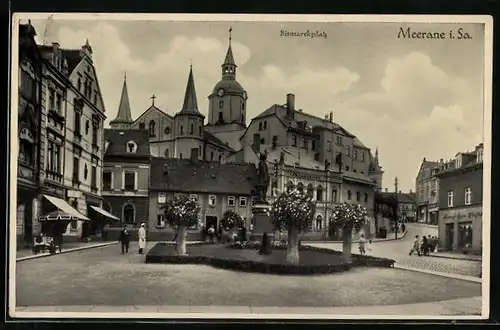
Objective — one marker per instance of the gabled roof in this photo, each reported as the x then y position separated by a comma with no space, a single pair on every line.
406,198
215,140
118,140
151,109
186,176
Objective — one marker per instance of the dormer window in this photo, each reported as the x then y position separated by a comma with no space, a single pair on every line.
131,147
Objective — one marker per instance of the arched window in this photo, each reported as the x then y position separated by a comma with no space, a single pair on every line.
221,104
289,186
200,130
128,214
349,195
265,124
220,158
366,197
310,190
152,128
260,126
300,187
319,193
192,129
167,153
79,84
182,130
319,222
142,126
243,106
358,196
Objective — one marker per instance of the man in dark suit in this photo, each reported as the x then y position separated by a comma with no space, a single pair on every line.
125,239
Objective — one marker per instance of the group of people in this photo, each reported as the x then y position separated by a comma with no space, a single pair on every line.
125,238
221,235
424,246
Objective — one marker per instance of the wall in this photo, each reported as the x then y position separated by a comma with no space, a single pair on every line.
458,183
118,185
274,127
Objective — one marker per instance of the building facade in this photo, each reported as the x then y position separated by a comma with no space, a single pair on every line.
427,187
29,133
126,178
461,202
218,187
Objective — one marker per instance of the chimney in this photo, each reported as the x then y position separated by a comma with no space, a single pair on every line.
441,160
424,159
400,191
194,154
331,117
386,190
411,192
290,105
256,141
275,142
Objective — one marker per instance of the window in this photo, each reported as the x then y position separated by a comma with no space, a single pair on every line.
93,178
182,130
450,198
200,131
313,145
349,195
212,200
243,201
358,196
54,157
87,126
26,152
354,154
78,120
95,131
334,195
265,124
221,118
151,128
366,197
339,141
211,155
231,201
79,84
468,196
52,100
76,169
130,181
220,158
347,150
95,98
304,143
347,168
221,104
58,103
180,155
106,180
262,141
319,194
193,196
260,126
85,172
142,126
329,144
160,220
167,153
319,222
27,79
131,147
199,151
362,156
294,140
310,191
243,106
191,131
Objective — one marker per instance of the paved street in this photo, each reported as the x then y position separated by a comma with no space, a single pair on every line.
398,250
103,276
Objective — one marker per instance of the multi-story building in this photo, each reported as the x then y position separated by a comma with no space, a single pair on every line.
217,187
461,202
427,187
406,204
126,177
29,133
70,160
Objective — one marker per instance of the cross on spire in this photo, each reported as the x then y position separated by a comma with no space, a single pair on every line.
230,30
153,99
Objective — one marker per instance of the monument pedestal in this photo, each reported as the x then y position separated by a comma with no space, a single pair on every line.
262,222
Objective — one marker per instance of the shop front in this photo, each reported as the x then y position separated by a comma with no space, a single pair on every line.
96,215
461,229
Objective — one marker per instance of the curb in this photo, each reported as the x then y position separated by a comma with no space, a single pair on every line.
480,259
448,275
43,255
425,224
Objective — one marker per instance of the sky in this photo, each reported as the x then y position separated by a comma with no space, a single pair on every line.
410,98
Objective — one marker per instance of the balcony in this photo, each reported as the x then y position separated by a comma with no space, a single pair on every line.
54,176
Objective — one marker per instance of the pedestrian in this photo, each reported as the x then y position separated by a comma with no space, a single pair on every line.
362,245
416,246
211,233
403,228
175,234
425,246
431,243
124,239
142,238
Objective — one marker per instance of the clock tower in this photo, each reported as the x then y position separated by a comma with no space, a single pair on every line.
227,102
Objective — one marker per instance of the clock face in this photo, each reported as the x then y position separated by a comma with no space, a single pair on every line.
220,92
245,96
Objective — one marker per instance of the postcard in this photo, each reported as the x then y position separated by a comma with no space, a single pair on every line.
250,166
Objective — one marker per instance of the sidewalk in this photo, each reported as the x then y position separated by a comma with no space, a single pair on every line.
457,256
27,254
442,309
390,237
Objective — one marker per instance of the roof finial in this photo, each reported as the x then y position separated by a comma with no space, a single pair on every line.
153,99
191,63
125,75
230,30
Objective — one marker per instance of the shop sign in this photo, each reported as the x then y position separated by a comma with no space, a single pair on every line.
462,215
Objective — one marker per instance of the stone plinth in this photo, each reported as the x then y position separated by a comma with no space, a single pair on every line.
262,222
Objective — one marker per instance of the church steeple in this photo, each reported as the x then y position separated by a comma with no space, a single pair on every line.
124,117
375,160
190,104
229,66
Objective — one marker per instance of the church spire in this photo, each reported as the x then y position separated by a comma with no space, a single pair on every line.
190,104
229,65
124,117
375,160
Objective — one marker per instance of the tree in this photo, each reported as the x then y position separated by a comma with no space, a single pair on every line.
181,212
347,216
231,220
293,211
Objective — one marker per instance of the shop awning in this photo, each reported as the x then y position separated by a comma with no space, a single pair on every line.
105,213
62,205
